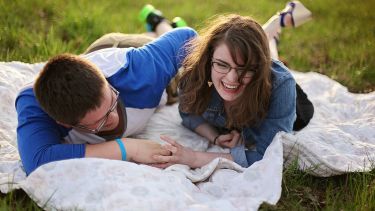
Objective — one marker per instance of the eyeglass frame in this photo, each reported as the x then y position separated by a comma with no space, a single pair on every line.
104,119
229,68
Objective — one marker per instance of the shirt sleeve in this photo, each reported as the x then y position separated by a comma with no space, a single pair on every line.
169,49
191,121
39,137
281,116
151,67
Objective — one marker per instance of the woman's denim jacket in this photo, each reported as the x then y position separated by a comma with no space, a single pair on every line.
280,117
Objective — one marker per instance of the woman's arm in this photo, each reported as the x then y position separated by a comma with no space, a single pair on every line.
207,131
280,117
198,124
228,140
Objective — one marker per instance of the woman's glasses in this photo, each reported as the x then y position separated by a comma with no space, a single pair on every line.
222,67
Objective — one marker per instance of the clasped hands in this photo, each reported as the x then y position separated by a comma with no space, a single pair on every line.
229,140
163,155
174,153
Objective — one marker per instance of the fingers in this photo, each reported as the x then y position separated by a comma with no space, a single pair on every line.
225,137
164,151
162,159
170,148
229,140
236,135
160,165
166,159
171,145
234,132
178,153
168,140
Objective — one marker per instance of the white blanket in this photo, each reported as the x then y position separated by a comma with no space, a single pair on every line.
339,139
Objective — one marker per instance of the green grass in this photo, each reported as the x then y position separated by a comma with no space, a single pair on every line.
301,191
339,42
17,200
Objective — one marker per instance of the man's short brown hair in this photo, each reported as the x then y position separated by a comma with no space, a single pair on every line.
68,87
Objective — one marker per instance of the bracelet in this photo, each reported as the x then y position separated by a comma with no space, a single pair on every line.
122,148
216,139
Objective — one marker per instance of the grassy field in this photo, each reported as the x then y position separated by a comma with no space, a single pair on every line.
339,42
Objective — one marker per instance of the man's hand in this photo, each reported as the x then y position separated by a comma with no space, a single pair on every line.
143,151
178,155
229,140
137,150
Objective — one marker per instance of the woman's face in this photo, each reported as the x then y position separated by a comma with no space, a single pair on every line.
228,84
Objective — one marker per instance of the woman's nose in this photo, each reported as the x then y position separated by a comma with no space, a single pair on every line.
232,75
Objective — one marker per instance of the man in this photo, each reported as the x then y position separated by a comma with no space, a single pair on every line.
78,105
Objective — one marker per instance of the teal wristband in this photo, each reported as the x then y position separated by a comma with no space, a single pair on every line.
122,148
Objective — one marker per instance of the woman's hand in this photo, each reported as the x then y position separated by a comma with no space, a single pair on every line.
178,154
229,140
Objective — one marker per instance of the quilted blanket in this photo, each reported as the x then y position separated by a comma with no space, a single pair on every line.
340,138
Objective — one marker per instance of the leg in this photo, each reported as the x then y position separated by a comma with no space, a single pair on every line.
160,29
156,22
118,40
294,14
156,26
154,19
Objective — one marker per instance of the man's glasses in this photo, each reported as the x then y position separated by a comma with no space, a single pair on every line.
225,68
105,118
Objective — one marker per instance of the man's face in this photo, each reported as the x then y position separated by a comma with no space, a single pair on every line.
104,118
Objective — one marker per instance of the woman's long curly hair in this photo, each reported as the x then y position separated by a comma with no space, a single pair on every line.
246,39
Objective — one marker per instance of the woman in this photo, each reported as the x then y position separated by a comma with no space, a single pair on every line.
233,93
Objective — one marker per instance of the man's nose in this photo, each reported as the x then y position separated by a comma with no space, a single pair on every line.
111,117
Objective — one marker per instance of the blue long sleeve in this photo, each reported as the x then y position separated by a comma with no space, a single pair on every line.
39,137
150,68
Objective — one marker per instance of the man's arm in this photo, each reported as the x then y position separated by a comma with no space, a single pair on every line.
39,140
137,150
149,69
39,136
168,51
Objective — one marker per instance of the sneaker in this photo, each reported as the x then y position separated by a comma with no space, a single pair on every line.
151,16
178,22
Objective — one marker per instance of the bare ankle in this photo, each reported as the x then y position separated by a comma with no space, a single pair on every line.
287,20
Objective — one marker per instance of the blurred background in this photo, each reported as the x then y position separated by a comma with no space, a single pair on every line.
339,42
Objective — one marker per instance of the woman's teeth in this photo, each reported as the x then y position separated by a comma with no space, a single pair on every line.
229,86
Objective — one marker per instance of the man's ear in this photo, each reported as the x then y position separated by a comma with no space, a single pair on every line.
63,124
